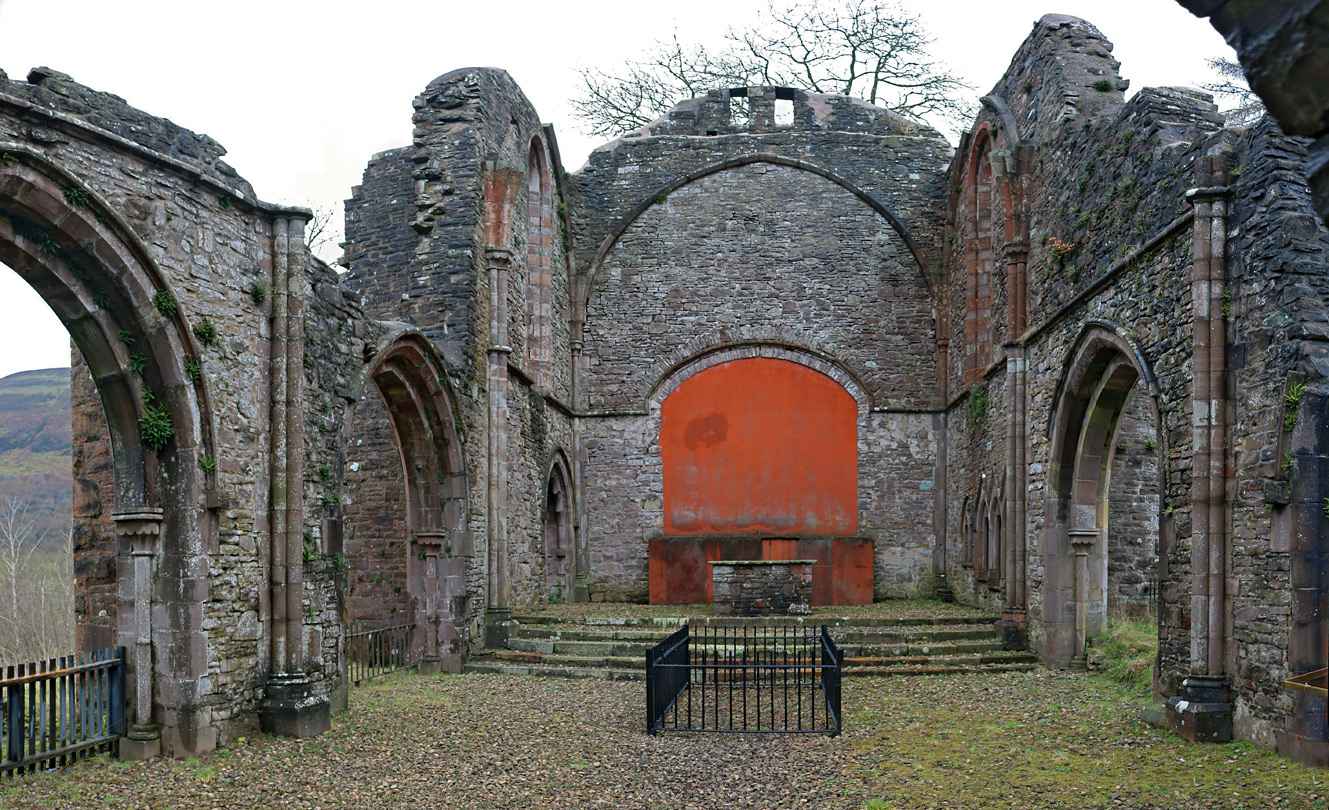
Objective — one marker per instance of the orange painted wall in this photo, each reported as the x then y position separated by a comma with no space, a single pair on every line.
760,446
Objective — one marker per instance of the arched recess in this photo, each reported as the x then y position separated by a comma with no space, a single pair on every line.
410,379
779,160
539,267
118,308
556,522
967,534
759,445
1102,370
980,232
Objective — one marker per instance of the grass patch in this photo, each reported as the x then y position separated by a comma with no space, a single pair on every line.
1131,647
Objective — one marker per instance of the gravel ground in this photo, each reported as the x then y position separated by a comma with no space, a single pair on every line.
1017,740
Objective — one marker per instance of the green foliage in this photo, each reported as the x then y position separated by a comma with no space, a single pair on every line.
1227,302
154,426
75,196
1103,85
193,369
224,201
6,159
1289,461
1151,445
258,293
164,302
976,406
661,198
1326,507
1121,447
1292,401
561,210
76,270
35,234
1027,87
101,299
556,596
125,336
325,472
207,463
327,500
1131,648
206,332
339,562
137,363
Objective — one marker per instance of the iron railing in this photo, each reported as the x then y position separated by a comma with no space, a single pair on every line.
780,678
61,710
371,653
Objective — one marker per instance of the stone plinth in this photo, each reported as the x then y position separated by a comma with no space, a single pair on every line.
761,587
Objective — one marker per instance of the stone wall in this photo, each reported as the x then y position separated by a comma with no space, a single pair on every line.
761,588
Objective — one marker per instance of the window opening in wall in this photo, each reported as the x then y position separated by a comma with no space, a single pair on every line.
784,112
740,112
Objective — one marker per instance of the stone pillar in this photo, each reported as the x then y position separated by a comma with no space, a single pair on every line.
498,616
289,706
430,543
142,529
581,558
1082,541
1203,710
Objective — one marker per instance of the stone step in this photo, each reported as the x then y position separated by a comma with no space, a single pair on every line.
672,623
638,661
1014,657
613,673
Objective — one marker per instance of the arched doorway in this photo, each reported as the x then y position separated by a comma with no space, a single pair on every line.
140,354
1098,396
557,530
404,525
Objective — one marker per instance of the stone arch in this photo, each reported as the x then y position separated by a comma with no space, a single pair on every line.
967,533
993,570
557,531
626,221
539,266
421,407
680,371
980,259
1102,369
130,328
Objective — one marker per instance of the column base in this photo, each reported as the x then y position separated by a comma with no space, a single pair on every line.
428,666
498,628
1079,664
581,592
1203,710
1014,631
142,742
289,710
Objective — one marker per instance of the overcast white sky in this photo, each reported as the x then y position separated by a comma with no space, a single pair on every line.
301,94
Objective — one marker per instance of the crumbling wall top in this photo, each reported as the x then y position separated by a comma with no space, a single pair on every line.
52,90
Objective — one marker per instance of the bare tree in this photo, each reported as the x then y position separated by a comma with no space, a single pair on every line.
36,586
323,233
864,48
1230,88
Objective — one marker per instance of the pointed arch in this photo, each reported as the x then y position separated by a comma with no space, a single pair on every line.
1101,370
539,266
557,530
411,380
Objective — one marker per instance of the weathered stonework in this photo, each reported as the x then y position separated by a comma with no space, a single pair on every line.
761,587
1082,360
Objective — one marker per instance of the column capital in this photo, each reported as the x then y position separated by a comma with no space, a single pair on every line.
140,527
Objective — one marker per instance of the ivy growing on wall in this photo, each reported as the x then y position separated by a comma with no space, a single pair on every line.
976,407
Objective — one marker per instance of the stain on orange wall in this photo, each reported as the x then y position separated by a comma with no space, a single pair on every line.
760,446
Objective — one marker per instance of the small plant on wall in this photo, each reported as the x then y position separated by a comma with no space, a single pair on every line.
154,426
1291,402
976,406
206,332
164,302
258,293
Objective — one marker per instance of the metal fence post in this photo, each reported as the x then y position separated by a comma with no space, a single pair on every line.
14,718
116,688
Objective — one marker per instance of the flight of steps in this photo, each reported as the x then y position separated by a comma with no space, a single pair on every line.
615,649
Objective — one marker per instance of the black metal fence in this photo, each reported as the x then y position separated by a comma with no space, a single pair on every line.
371,653
745,678
61,710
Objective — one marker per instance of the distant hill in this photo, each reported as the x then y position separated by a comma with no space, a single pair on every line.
35,460
34,423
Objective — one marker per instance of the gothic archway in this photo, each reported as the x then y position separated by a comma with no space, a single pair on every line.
1102,371
556,522
130,328
415,534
